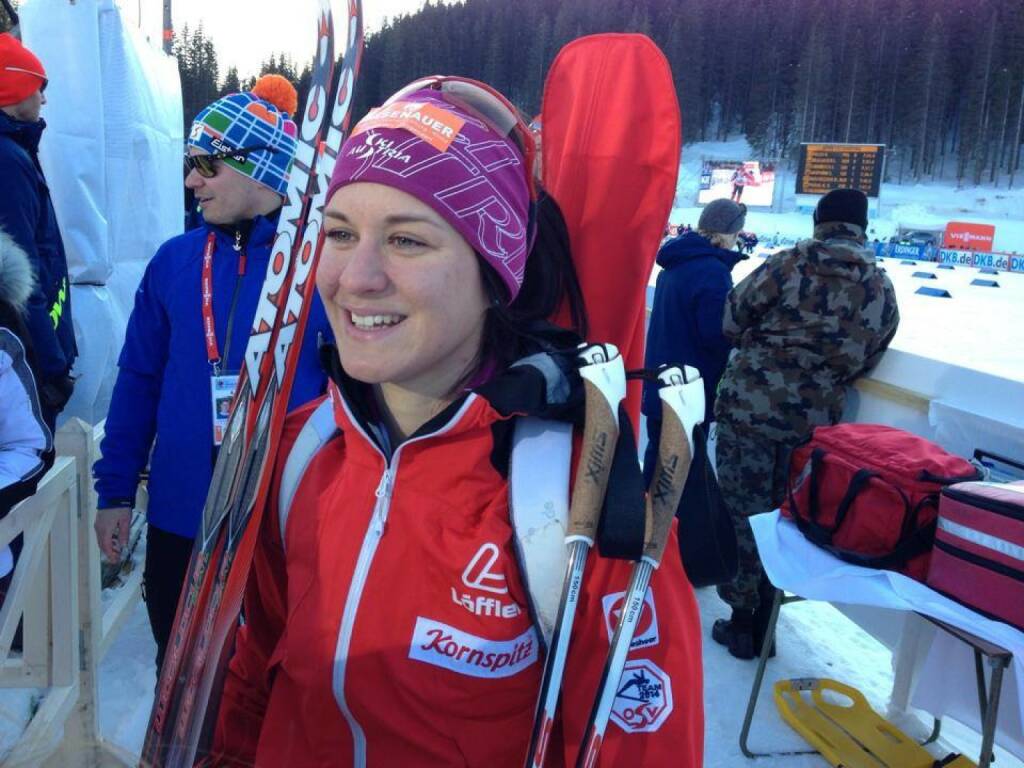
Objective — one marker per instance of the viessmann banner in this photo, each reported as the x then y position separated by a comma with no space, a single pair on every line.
969,236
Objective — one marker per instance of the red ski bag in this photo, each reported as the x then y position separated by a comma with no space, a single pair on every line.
978,558
870,494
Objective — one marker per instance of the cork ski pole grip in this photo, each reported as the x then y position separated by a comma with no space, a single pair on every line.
682,409
604,381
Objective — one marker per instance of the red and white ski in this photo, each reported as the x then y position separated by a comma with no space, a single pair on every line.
209,606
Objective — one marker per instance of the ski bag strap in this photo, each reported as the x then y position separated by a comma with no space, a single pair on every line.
539,472
315,433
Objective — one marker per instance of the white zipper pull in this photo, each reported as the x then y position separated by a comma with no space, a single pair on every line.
383,494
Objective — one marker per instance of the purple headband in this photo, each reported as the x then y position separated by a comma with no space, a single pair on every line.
452,161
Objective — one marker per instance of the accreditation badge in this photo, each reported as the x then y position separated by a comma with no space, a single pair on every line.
222,392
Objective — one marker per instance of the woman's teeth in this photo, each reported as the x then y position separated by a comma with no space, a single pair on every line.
366,322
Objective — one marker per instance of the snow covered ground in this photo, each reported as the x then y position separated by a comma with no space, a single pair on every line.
815,640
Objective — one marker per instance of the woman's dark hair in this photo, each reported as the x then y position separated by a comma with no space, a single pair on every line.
550,282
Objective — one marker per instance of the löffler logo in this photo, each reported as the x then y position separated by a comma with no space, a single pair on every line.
646,633
434,642
482,574
644,699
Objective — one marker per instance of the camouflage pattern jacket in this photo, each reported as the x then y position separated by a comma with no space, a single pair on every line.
805,324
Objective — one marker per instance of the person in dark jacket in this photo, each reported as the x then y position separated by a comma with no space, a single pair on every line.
175,381
806,325
686,318
27,216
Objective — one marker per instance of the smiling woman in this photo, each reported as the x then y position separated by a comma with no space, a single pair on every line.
387,618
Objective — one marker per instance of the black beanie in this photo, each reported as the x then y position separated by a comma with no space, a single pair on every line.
846,205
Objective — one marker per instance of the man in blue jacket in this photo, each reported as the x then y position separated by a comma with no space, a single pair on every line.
685,326
175,380
27,216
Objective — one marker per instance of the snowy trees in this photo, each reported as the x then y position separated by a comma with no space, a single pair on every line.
941,82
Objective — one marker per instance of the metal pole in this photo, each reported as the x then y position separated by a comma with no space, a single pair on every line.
168,28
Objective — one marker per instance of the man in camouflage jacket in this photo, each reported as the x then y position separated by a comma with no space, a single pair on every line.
806,324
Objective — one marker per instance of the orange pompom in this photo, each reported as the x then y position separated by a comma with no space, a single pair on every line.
278,91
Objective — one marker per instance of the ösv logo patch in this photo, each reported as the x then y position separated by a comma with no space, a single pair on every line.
644,699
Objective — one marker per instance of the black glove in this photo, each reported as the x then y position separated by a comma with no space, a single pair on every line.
55,392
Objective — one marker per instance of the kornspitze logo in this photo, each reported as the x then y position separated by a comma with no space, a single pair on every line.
644,699
434,642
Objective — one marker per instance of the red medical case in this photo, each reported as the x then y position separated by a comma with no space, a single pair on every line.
978,559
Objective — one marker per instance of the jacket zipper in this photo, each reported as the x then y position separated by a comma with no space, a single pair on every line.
374,533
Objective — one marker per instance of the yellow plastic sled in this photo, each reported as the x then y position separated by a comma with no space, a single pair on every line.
850,735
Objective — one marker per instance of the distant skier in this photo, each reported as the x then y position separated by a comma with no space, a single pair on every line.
740,178
172,375
794,358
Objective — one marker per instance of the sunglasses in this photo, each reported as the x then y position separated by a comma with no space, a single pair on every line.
206,166
485,103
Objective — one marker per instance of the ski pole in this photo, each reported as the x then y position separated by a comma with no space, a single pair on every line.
682,405
604,381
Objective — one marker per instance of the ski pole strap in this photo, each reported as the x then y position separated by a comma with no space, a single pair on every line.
620,532
682,398
604,381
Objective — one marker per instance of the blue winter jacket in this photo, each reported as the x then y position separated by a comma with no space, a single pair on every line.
685,326
163,385
27,215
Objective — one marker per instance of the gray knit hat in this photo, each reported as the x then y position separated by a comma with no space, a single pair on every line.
723,216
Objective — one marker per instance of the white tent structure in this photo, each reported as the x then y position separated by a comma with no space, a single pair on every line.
112,158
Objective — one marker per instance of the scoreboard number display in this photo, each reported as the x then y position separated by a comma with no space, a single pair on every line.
824,167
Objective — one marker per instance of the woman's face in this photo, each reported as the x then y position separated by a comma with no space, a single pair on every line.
402,289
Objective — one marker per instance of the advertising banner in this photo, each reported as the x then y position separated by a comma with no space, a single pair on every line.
1004,262
750,182
969,236
909,251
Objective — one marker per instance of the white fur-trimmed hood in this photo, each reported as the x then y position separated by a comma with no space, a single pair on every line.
16,277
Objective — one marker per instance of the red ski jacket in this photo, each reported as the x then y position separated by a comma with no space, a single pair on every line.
386,620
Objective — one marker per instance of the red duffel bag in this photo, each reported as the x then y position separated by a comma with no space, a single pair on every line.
870,494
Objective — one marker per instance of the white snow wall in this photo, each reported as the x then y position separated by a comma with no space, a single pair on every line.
112,157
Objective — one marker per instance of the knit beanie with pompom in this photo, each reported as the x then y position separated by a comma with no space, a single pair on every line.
259,118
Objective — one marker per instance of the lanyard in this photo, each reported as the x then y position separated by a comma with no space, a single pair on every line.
209,327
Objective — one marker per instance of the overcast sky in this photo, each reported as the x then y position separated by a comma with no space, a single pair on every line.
246,32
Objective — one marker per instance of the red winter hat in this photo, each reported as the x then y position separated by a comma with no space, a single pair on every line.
21,73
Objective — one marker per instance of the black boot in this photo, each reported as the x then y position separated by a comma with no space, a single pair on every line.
743,633
736,633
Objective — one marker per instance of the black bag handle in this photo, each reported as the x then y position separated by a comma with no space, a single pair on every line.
929,477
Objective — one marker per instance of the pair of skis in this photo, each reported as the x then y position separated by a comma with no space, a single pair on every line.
682,395
209,606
